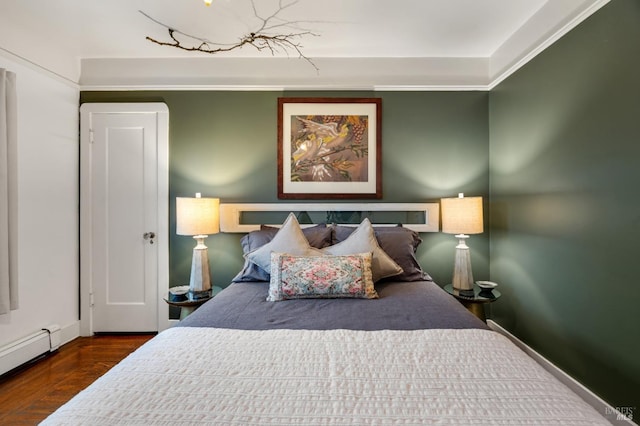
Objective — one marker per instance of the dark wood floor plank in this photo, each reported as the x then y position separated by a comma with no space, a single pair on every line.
30,394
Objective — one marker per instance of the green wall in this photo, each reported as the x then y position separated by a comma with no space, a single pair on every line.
223,144
565,204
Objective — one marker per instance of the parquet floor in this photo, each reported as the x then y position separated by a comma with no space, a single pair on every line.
32,393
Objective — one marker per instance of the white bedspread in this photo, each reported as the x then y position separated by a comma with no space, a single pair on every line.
339,377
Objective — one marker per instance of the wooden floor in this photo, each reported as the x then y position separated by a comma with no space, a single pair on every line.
32,393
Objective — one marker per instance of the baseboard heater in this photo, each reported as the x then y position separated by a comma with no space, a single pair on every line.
32,346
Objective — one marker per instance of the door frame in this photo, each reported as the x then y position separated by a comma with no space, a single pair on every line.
162,112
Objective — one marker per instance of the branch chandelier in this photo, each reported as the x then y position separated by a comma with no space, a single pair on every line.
272,34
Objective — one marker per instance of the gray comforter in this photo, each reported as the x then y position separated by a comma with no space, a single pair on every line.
401,306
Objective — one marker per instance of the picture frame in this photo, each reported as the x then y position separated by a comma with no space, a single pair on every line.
329,148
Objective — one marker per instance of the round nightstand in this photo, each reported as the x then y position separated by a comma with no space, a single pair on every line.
190,305
474,300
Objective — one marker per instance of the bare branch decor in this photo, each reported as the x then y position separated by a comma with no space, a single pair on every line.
262,38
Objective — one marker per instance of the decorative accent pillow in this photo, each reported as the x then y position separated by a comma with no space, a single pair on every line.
319,236
288,239
303,277
399,243
363,240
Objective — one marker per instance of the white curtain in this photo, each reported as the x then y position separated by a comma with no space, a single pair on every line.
8,193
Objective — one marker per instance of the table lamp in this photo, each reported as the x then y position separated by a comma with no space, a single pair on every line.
198,217
462,216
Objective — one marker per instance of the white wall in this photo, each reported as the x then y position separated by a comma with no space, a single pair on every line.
48,169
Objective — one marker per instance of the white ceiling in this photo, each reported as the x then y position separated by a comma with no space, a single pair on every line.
359,44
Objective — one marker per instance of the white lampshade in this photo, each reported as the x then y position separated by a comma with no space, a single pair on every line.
197,216
462,215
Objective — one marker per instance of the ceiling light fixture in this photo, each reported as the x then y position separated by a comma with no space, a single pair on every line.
208,2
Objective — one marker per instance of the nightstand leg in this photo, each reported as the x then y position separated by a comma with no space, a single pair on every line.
186,310
476,309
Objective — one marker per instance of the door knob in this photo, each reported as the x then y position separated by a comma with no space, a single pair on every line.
149,236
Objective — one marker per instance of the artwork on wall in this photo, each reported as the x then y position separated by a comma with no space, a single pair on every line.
329,148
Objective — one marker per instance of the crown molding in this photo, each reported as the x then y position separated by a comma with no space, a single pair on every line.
217,73
267,88
38,68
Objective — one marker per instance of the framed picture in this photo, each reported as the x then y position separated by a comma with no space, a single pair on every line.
329,148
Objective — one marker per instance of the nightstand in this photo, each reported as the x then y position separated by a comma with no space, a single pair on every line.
188,306
474,300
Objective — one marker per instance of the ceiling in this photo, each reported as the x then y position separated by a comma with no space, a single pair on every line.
356,44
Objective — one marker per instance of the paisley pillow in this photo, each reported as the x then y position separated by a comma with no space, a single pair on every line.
304,277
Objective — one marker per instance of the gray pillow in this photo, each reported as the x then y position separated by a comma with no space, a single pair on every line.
319,236
363,240
289,239
399,243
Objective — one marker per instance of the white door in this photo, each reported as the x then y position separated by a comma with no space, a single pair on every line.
124,213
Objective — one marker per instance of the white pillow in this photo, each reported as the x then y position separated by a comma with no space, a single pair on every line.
362,240
289,239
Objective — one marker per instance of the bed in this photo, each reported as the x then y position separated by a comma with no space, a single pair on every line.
394,350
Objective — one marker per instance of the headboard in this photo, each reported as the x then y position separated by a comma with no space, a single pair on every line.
420,217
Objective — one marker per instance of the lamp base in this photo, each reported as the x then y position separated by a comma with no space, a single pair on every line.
200,280
462,274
